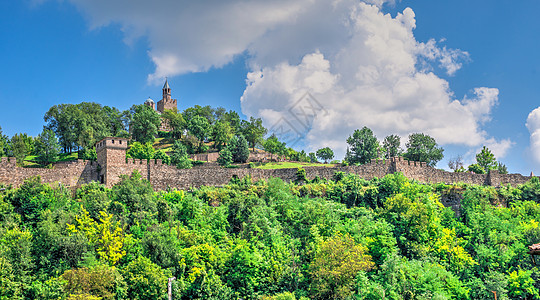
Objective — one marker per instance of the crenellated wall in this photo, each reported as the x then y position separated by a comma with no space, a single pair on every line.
72,174
112,163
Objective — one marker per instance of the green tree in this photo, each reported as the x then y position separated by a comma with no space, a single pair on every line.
422,147
202,111
87,154
253,131
521,285
486,160
21,146
476,168
391,146
363,146
179,156
239,148
141,151
47,147
502,168
225,158
274,146
221,133
106,235
3,144
233,119
81,125
335,265
101,281
144,123
325,153
200,128
160,154
176,122
145,280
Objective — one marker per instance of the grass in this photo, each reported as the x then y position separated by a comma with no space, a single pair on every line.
288,165
164,144
31,161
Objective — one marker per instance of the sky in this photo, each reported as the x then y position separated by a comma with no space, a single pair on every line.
464,72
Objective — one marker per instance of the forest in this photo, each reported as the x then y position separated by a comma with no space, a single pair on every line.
345,238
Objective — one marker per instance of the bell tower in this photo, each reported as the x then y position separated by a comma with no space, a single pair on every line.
166,102
166,90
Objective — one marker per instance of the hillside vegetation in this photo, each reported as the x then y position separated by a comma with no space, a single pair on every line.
346,238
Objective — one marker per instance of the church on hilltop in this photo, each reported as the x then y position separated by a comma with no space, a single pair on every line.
166,102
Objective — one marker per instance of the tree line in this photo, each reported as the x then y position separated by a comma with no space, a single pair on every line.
77,127
344,238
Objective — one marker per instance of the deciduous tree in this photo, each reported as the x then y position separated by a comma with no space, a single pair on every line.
47,147
325,154
253,131
334,267
176,121
179,156
200,128
422,147
363,146
144,123
391,146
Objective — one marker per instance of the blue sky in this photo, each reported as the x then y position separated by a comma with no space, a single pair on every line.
465,72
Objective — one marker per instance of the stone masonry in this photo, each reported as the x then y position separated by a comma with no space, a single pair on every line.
112,162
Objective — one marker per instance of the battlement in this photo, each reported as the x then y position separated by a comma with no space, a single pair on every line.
112,143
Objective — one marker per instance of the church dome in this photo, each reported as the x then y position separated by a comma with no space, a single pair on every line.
149,101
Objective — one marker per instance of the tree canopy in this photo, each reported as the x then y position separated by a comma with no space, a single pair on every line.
144,123
363,146
346,238
422,147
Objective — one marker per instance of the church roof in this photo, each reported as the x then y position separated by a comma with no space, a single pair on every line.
166,85
149,100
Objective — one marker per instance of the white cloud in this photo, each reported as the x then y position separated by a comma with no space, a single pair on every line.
363,67
533,125
373,80
449,59
191,36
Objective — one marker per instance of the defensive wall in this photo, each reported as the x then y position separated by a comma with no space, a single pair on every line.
112,163
72,173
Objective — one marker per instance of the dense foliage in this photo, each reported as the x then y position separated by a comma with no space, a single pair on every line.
388,238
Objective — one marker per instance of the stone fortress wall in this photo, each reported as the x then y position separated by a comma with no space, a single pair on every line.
112,163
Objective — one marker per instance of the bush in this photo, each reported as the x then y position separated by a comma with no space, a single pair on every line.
225,158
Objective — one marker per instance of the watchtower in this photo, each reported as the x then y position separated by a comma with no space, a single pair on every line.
166,102
111,153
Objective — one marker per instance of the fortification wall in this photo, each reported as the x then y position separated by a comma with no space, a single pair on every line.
164,176
126,168
76,173
71,174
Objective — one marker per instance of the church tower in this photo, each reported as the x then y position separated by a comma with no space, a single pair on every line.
166,102
166,90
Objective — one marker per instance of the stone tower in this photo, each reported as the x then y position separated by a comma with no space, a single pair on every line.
111,157
166,102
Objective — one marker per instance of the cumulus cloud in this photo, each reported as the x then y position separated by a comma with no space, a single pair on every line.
373,79
533,125
319,69
191,36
